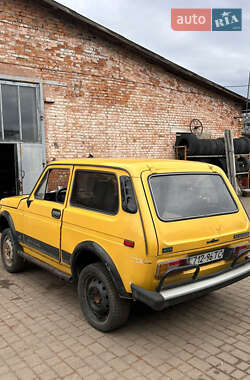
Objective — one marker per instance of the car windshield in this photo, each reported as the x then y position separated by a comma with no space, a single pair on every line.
186,196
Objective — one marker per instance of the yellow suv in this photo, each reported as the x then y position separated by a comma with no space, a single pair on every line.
157,231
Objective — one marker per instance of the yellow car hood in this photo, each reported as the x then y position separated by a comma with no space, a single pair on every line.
13,201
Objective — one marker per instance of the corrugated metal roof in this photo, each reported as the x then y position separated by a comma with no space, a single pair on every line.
148,54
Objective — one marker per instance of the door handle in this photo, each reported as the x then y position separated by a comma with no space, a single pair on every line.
55,213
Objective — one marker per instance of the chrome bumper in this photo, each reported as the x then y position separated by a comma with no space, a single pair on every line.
166,297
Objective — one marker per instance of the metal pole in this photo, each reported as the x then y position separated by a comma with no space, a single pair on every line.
247,97
229,147
244,130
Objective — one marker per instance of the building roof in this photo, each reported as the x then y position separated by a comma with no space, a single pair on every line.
134,166
148,54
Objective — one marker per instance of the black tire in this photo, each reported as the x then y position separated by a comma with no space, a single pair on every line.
244,145
238,166
11,260
222,163
247,139
206,147
213,147
242,164
237,146
220,146
99,300
202,147
190,141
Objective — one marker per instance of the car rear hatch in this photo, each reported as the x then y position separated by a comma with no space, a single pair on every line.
193,212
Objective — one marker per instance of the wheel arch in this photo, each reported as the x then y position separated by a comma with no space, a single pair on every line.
6,221
89,252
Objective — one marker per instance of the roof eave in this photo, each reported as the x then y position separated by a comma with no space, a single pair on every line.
149,55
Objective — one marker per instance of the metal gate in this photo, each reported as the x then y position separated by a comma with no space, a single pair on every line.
30,165
21,124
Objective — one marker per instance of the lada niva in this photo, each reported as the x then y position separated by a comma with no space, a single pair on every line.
157,231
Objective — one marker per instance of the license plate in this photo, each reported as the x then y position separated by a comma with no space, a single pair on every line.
206,257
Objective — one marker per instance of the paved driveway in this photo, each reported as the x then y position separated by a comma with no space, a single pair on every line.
43,335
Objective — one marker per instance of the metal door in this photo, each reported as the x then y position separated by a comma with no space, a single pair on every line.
31,161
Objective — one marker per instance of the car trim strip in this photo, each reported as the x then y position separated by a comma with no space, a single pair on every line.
39,245
45,266
66,257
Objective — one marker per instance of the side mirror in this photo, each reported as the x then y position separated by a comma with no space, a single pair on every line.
29,202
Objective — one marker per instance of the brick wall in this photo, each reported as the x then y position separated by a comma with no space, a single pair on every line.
107,100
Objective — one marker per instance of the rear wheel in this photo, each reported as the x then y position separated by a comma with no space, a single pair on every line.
12,261
99,300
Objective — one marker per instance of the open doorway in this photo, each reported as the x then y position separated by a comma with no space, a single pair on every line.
8,170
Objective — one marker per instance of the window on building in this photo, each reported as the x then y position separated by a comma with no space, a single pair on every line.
19,115
96,191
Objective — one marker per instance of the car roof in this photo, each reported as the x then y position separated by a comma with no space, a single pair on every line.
135,166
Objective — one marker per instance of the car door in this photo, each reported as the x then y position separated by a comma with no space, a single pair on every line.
95,213
43,214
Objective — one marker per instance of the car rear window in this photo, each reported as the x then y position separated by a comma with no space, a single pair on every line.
187,196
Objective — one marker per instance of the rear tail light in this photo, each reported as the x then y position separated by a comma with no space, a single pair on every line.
129,243
163,267
177,263
240,248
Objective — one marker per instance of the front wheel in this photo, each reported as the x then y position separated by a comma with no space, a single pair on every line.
99,300
12,261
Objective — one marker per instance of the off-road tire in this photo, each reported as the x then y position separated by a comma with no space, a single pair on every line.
116,310
11,260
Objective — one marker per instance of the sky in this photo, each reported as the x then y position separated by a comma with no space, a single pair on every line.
222,57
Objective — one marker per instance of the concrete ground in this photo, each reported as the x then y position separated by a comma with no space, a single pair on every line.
43,335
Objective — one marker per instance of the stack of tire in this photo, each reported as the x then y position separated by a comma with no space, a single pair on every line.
212,147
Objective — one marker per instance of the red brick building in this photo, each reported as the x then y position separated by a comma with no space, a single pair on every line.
69,86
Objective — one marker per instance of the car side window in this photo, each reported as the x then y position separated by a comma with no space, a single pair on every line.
96,191
54,185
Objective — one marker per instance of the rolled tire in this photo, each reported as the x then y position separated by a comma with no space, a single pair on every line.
245,145
220,146
11,260
248,143
99,300
237,146
202,147
213,147
207,147
222,163
190,141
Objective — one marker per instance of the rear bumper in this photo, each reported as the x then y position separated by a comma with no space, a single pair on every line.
166,297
